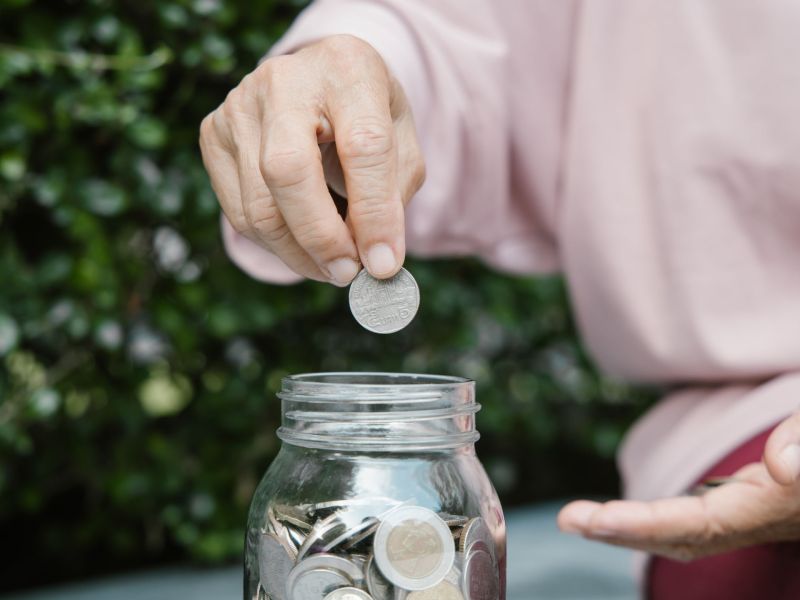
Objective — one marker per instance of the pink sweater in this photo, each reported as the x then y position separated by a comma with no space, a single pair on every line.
648,150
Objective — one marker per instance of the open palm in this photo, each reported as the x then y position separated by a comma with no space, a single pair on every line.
761,504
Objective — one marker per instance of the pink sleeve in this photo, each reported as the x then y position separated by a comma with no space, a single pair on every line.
449,57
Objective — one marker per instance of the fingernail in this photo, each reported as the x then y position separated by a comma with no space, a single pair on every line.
579,518
343,270
791,458
381,260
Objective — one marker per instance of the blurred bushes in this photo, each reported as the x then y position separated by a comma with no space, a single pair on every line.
138,367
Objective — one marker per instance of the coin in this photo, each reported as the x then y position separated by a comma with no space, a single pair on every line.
274,566
348,593
354,535
480,578
306,583
298,537
414,548
292,515
454,520
476,530
323,530
336,562
377,584
443,590
384,305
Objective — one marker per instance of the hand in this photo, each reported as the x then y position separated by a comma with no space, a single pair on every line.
330,110
762,505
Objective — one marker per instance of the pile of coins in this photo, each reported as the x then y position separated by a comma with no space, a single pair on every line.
384,305
374,549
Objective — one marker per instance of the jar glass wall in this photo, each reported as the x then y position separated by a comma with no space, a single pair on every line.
376,493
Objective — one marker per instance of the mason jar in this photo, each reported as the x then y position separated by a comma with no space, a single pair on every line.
376,493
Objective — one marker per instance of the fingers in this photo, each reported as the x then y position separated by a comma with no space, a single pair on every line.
366,144
782,452
262,150
291,166
670,520
266,223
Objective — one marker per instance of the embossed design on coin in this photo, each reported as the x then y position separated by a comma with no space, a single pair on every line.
274,565
414,548
442,591
348,593
480,581
384,305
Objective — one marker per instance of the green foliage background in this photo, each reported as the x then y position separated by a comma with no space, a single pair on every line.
138,367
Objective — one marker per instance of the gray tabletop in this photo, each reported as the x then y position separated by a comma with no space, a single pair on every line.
543,564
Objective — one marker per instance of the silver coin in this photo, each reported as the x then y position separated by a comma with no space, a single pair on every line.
474,531
480,580
298,537
323,530
314,584
454,520
274,566
353,535
333,561
292,515
348,593
444,590
377,584
281,533
413,548
384,305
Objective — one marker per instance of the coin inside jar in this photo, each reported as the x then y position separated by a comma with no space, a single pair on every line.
480,581
414,548
384,305
441,591
274,566
348,593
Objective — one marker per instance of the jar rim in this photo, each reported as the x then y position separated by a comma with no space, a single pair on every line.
378,411
374,379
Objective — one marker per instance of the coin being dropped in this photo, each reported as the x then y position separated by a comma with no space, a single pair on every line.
414,548
348,593
384,305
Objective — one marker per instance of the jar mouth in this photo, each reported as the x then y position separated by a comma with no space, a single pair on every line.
378,411
380,379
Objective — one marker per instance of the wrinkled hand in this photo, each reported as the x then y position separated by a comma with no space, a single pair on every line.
329,111
761,506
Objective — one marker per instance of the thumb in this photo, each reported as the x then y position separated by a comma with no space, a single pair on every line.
782,452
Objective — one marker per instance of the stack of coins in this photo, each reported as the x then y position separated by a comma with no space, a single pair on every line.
374,549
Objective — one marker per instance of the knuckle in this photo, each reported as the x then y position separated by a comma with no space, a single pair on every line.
368,140
272,69
206,127
370,208
317,236
347,45
285,167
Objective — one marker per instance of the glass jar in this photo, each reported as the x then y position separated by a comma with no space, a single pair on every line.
377,494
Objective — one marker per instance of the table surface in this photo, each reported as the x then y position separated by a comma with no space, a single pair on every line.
543,564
